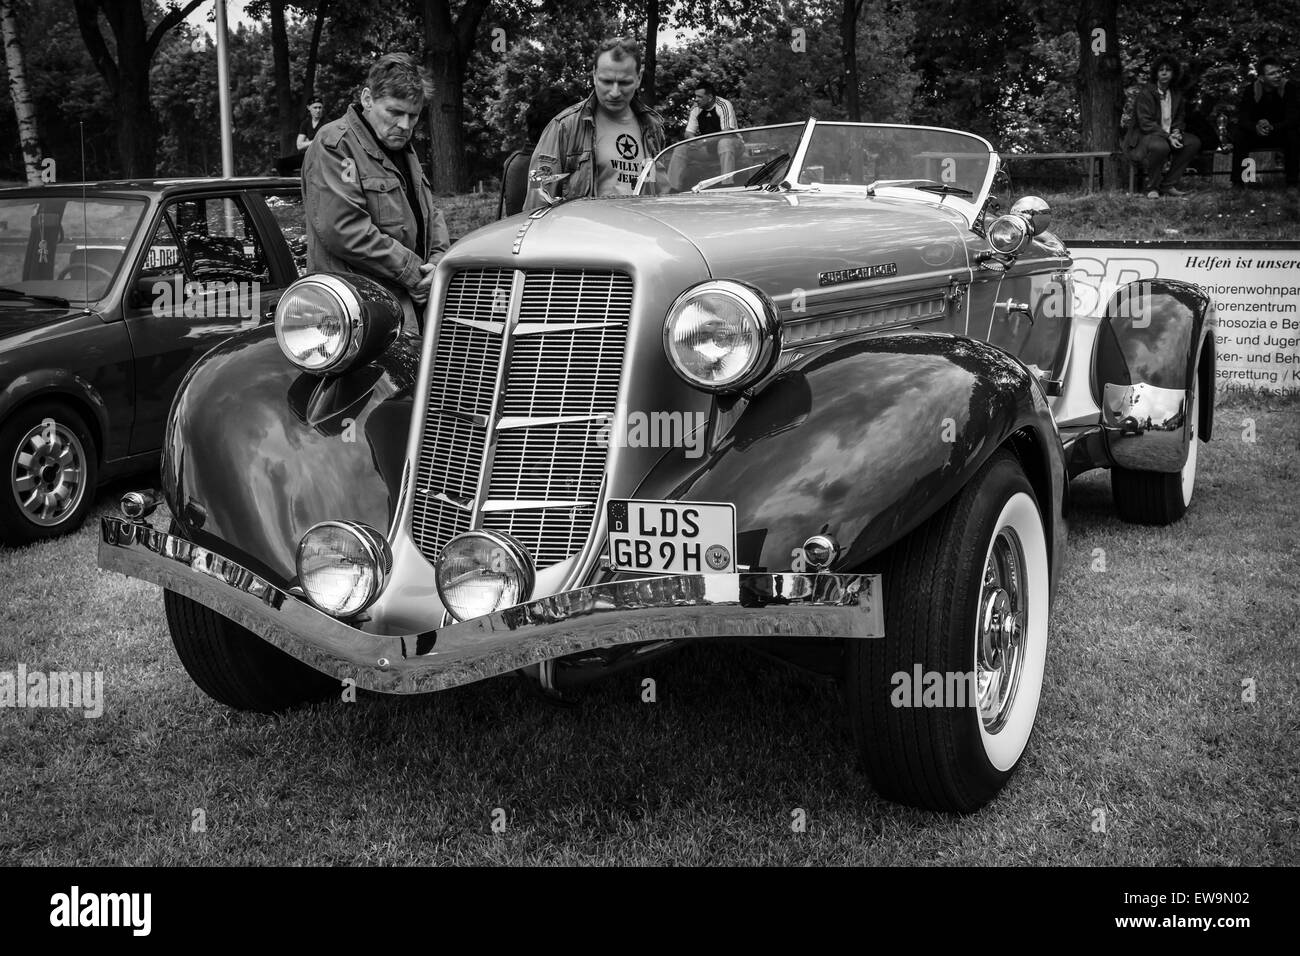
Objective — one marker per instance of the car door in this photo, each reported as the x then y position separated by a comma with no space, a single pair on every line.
1026,311
213,268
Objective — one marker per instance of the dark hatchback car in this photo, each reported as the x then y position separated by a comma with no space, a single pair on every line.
109,293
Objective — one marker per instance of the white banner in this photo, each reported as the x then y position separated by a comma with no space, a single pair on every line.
1256,291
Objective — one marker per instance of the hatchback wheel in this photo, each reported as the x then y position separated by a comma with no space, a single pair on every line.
51,468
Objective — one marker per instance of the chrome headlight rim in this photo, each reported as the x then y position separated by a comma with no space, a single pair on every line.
1020,223
761,310
349,304
377,551
523,561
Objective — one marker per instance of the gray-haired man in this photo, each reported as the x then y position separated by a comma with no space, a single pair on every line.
368,205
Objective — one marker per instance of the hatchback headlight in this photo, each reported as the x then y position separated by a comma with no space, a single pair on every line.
328,323
721,335
479,572
343,566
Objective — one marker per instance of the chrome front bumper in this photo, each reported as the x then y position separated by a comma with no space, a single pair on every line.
748,604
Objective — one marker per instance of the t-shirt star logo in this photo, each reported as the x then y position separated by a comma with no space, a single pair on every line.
627,146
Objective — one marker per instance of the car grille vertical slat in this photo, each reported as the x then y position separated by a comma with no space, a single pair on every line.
566,359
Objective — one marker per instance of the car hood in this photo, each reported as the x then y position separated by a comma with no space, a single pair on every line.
775,241
19,315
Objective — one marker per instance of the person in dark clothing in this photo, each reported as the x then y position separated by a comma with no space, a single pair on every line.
310,125
1159,131
1268,117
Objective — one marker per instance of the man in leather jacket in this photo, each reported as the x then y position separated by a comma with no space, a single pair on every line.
598,147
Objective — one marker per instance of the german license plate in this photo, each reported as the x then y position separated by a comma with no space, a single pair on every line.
672,537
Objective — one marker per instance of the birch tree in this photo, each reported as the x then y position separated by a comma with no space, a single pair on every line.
28,132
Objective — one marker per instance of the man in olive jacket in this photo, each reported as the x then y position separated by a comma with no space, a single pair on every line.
599,146
1158,133
368,205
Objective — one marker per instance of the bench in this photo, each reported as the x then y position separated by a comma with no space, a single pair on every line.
1094,161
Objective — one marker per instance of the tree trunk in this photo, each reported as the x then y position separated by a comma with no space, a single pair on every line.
447,172
286,118
127,75
1101,83
313,52
136,136
447,48
28,132
849,57
651,47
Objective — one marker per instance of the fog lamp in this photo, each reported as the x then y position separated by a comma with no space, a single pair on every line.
343,566
479,572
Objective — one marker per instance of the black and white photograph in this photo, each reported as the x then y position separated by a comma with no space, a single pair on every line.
664,433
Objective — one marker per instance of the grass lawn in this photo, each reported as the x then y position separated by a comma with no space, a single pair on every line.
1142,717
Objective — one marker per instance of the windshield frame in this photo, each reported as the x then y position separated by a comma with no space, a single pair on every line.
72,193
969,206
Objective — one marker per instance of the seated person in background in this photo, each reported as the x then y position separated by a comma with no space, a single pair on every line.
1268,117
1158,131
712,114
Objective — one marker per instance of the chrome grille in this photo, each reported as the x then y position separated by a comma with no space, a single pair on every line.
564,461
465,368
552,370
551,536
565,373
482,294
569,296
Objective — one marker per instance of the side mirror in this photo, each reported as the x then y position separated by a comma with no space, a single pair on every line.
142,291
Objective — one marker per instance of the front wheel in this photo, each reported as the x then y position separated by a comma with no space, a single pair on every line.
943,705
234,666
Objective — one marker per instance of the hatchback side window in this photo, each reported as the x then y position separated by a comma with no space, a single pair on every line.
219,241
286,207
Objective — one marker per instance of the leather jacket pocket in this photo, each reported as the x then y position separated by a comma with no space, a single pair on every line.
384,199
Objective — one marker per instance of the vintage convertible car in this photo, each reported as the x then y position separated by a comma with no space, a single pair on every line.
826,404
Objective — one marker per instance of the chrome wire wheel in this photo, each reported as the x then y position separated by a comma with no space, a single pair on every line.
1000,630
47,475
1011,631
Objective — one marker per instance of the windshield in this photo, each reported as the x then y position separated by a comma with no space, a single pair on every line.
64,246
853,156
723,160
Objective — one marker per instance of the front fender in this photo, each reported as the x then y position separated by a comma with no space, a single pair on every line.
258,451
867,440
1144,369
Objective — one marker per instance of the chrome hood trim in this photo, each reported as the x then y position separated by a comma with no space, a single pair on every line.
675,607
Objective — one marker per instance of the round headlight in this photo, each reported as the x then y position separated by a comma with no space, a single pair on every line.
721,335
316,321
479,572
1008,234
343,566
